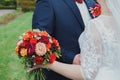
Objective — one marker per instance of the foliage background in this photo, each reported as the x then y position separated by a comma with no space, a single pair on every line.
10,65
11,26
24,5
7,4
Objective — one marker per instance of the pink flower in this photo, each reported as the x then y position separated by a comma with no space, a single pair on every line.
40,49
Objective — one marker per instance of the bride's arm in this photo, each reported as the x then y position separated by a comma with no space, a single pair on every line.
71,71
67,70
90,62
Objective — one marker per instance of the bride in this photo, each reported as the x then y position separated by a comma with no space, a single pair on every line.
100,48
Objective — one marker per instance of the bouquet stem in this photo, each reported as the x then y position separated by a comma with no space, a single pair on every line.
39,75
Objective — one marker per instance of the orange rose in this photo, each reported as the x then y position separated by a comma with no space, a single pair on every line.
55,42
48,46
17,49
40,49
26,37
43,33
23,52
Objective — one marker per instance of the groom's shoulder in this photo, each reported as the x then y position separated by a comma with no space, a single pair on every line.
90,0
53,1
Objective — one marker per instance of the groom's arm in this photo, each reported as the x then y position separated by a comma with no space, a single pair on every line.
69,56
43,17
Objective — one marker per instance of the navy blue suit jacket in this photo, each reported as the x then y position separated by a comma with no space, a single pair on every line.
62,20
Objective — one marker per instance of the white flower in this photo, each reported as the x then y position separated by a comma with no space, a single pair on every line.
40,49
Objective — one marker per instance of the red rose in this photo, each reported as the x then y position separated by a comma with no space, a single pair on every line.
24,43
33,40
52,58
44,39
30,33
55,42
96,10
38,60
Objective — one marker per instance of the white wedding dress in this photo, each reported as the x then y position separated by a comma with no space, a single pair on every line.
100,49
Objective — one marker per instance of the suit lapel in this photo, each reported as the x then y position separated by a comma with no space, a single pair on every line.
90,3
75,11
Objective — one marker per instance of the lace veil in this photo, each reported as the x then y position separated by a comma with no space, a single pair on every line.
114,6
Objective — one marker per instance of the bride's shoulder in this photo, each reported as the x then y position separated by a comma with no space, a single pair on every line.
92,21
97,18
95,22
100,19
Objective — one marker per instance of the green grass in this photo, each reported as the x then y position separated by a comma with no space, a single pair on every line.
10,66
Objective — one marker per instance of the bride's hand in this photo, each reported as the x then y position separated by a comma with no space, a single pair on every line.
36,67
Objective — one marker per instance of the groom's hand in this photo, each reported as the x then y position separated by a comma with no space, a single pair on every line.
76,59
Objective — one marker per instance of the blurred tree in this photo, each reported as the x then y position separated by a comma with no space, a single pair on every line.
18,5
8,4
26,5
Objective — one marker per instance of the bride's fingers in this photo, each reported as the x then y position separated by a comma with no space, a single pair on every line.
33,68
30,70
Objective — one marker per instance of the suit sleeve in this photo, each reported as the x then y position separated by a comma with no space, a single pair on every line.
67,56
44,19
43,16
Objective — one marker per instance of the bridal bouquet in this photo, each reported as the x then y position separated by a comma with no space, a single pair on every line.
37,48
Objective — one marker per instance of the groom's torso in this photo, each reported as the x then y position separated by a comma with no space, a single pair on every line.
69,23
65,22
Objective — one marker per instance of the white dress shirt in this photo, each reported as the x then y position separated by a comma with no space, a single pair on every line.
84,12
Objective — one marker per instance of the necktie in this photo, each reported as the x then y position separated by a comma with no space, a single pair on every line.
79,1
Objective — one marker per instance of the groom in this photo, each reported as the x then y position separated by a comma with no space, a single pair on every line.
65,20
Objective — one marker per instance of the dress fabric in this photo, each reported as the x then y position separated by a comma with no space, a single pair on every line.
100,50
